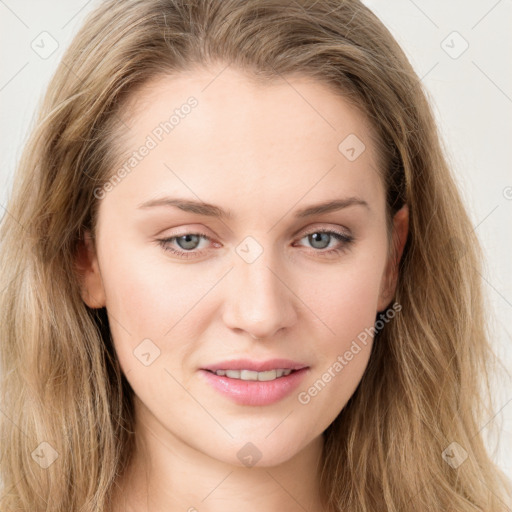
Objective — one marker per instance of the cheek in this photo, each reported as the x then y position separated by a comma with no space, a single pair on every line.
140,300
342,359
347,307
147,292
346,299
153,305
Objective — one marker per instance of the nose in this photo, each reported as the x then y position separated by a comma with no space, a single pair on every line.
258,298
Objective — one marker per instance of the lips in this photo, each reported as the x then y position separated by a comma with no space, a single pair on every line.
257,366
255,393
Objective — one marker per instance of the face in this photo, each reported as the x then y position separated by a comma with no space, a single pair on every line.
271,278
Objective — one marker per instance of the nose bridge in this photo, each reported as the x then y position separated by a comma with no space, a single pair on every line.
258,300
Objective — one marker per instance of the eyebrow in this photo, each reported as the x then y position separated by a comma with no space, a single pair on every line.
210,210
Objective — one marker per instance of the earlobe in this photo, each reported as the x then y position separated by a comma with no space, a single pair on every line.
399,238
88,272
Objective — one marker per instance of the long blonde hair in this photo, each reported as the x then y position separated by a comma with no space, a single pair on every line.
62,391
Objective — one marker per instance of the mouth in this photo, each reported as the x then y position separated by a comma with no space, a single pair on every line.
253,388
252,375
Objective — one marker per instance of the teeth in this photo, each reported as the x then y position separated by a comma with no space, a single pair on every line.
252,375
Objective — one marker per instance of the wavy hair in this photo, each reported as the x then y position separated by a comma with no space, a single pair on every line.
62,390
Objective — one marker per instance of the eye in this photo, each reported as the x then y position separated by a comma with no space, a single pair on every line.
321,238
186,244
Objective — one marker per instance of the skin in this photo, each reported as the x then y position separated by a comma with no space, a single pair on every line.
263,152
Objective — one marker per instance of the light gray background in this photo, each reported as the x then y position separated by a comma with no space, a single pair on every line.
471,94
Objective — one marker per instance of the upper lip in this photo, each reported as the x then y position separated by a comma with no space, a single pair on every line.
257,366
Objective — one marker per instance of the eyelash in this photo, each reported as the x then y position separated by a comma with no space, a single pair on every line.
345,239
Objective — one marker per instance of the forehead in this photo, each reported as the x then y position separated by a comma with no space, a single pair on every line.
286,138
229,99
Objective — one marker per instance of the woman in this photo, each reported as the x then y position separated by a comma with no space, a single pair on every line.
238,274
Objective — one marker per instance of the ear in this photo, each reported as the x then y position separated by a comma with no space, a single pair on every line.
86,264
390,276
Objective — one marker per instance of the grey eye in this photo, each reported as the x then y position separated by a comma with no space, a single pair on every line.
316,238
188,242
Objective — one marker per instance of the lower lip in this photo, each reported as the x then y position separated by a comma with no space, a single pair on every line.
251,392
